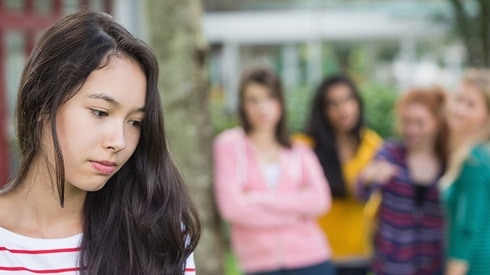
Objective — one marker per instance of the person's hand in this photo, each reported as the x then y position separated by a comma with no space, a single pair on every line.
379,171
456,267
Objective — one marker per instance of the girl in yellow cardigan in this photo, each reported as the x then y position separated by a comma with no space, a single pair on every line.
343,146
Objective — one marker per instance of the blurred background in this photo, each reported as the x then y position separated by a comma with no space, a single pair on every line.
385,45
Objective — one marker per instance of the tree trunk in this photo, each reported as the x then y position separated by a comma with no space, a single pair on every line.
474,29
176,36
484,22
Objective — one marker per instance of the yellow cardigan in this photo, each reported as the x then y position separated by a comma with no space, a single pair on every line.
345,224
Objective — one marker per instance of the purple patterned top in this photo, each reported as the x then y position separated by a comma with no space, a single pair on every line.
409,236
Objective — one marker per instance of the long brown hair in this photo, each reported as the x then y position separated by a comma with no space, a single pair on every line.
434,99
271,81
142,221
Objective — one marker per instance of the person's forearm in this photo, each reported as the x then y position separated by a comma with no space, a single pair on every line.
456,267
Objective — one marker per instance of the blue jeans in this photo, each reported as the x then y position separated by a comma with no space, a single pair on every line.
351,271
325,268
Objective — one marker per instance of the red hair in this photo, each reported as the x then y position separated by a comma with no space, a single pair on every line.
434,99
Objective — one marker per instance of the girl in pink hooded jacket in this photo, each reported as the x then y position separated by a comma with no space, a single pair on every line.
269,190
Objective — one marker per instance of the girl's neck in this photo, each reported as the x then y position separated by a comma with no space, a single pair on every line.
37,208
457,140
343,135
422,149
266,146
346,146
423,165
263,138
345,139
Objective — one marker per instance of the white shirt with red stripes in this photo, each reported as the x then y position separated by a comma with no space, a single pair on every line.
21,255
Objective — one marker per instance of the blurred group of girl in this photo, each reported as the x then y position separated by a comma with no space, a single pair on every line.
337,199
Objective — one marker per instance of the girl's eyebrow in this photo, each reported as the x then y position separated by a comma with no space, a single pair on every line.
112,101
105,98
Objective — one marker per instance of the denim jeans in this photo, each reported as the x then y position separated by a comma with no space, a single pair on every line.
351,271
325,268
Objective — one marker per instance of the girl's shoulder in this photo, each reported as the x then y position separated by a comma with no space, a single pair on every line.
230,136
479,155
302,139
38,243
370,137
7,208
300,151
393,145
370,143
39,254
481,149
392,150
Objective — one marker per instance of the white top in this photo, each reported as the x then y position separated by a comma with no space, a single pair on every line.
271,172
23,255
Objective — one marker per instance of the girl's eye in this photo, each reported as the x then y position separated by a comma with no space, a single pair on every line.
99,113
136,123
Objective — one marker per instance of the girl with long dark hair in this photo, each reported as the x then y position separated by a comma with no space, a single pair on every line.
269,190
343,145
97,191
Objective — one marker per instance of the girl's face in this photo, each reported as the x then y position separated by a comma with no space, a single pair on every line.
342,108
418,127
467,111
262,109
99,127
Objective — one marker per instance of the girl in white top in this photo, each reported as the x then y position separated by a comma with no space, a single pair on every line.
96,192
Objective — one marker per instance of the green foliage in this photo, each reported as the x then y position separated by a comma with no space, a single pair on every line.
231,264
221,118
298,102
379,102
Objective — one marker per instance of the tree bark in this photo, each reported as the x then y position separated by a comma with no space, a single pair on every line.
484,22
176,36
474,31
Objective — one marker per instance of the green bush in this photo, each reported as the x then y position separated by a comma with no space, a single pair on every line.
221,118
298,102
231,265
379,104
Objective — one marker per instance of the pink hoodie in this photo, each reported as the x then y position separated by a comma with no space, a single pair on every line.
271,228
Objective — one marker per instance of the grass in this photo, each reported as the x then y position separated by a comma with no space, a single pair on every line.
231,267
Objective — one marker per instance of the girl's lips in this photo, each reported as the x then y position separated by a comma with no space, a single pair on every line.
103,167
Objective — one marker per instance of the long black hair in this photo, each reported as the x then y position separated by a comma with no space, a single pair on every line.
142,221
323,133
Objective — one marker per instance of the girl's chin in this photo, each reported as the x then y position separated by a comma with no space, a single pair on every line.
419,141
456,125
458,129
265,127
413,144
